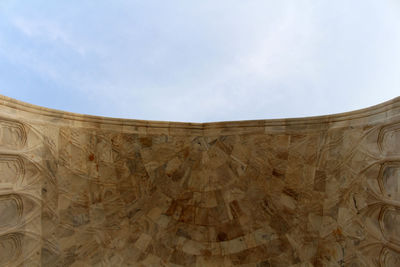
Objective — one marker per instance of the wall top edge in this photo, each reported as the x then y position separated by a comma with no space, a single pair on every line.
53,114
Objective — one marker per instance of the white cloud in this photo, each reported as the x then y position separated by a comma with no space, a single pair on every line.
48,31
205,61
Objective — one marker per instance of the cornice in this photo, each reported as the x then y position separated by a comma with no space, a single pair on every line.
380,111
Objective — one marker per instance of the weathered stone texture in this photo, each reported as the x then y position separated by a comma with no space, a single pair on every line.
80,190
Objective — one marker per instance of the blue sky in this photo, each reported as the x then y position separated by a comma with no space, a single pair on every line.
200,61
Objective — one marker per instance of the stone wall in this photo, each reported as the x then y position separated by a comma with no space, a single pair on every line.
80,190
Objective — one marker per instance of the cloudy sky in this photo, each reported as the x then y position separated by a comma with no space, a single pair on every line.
203,60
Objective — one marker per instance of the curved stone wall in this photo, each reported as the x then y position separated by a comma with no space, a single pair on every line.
80,190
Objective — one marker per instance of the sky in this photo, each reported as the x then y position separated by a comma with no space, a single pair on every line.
200,61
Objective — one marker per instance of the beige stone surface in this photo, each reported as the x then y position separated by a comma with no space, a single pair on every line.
78,190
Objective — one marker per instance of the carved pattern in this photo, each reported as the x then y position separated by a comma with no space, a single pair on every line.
389,180
16,171
389,139
293,197
19,248
12,134
389,257
11,210
380,205
12,169
11,248
21,179
16,210
389,221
